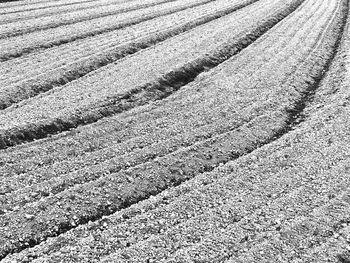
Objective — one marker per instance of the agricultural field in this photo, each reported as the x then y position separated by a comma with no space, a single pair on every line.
175,131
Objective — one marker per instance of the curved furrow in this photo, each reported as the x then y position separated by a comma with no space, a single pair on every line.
23,178
103,45
29,187
251,194
293,239
11,9
137,90
24,4
121,129
119,190
5,1
228,192
157,148
238,214
19,46
335,249
57,67
10,17
51,22
112,192
116,232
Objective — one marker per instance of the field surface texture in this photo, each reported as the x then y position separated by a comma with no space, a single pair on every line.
175,131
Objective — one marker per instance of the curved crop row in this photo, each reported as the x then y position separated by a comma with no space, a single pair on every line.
285,202
42,71
230,212
18,46
127,134
54,21
275,94
23,4
157,74
32,12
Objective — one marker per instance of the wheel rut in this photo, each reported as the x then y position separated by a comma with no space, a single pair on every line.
158,89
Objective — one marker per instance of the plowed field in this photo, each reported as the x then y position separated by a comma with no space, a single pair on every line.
175,131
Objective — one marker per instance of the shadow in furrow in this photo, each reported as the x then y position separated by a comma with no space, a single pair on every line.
344,258
143,192
297,114
108,58
156,90
69,39
82,19
60,12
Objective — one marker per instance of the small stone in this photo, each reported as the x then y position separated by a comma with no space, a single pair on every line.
34,194
16,208
29,217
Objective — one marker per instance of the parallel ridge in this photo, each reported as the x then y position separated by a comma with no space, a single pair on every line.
42,23
13,16
5,1
22,6
43,39
291,194
274,103
57,67
173,68
237,202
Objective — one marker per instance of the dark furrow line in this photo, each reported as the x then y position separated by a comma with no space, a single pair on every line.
298,113
52,6
294,114
106,210
122,25
40,2
134,197
74,21
137,195
150,158
63,185
156,90
56,12
110,57
5,1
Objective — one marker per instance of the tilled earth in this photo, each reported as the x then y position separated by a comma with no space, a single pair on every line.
236,153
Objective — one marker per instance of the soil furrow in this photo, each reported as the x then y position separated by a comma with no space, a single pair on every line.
23,186
122,189
150,178
154,216
70,54
158,89
16,29
82,66
64,36
305,232
162,142
263,210
9,17
40,2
